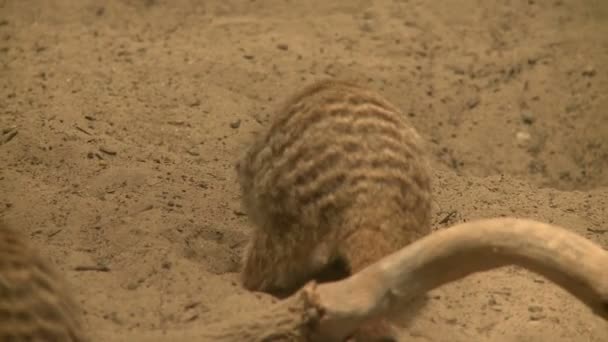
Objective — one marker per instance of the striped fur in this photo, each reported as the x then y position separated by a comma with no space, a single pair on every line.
339,175
35,304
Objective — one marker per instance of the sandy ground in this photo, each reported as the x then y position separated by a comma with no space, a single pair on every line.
130,115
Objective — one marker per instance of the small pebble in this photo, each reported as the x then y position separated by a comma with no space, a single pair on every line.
537,316
522,138
108,150
193,152
589,71
239,213
527,118
235,124
283,47
472,103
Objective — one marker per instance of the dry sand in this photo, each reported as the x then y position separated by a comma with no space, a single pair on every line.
130,115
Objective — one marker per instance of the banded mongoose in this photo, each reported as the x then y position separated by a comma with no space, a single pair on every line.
35,302
339,175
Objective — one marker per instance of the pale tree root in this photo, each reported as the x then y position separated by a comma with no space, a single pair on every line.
332,311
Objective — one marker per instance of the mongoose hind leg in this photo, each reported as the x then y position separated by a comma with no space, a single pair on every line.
360,249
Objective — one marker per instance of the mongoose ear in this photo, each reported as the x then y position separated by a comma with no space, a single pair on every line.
333,311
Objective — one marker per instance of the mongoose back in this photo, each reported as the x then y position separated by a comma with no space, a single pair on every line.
339,175
35,304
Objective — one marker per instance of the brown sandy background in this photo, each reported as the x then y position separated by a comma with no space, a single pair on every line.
130,115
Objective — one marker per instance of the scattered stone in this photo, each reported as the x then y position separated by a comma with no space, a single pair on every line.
82,130
132,286
250,57
8,134
589,71
472,103
239,213
189,316
536,313
283,47
193,152
527,117
108,150
178,123
235,124
95,268
523,138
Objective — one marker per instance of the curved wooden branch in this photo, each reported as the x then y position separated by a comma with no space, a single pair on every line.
332,311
